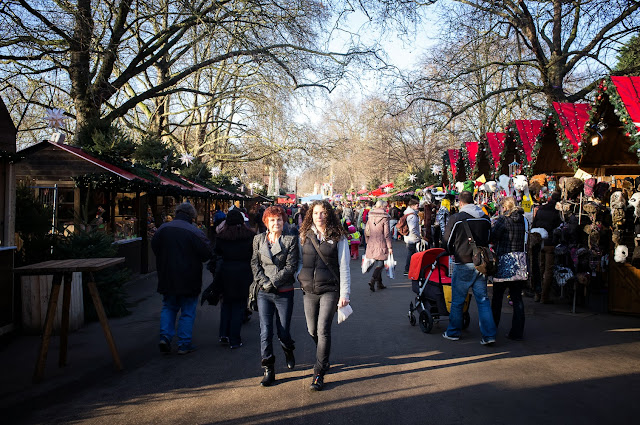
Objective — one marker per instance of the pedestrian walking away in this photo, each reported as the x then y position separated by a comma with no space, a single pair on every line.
180,249
379,246
412,239
508,235
274,263
465,275
233,251
323,272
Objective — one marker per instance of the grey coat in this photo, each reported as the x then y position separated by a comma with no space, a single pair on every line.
379,239
276,266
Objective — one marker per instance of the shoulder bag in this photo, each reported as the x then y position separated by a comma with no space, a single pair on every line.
483,257
513,265
314,242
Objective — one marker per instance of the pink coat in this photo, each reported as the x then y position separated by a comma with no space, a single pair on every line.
379,239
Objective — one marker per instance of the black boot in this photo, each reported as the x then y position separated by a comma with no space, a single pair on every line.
289,357
372,285
269,372
380,285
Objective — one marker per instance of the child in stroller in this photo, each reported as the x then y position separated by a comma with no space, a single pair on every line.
429,274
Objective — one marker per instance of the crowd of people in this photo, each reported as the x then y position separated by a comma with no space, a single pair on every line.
275,248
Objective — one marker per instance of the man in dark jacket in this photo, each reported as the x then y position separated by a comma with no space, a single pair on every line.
465,275
547,218
180,249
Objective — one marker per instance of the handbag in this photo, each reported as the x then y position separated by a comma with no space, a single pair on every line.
484,259
512,266
253,295
213,293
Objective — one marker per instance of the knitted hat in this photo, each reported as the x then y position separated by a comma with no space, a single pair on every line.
234,217
589,186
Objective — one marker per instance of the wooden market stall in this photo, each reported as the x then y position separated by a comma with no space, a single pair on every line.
457,171
610,149
469,155
8,157
483,161
91,193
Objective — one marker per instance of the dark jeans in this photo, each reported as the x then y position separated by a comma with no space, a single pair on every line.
536,270
231,315
319,311
515,290
411,249
268,305
377,271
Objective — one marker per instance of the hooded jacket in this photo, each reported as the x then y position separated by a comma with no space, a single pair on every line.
414,226
379,239
455,237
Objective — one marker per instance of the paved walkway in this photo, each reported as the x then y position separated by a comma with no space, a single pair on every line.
582,368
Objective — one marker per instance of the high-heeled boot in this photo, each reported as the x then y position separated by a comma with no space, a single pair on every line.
269,371
289,357
372,285
380,285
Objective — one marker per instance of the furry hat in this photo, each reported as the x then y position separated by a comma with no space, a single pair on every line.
616,237
539,179
571,187
617,200
591,207
503,182
589,186
617,216
621,254
634,201
601,190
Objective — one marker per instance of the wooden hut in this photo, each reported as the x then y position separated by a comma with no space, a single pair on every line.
610,149
524,134
495,145
8,157
483,160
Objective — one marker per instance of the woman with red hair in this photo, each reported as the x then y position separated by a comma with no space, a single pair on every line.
274,262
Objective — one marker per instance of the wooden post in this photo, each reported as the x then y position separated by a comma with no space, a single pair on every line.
64,325
48,327
93,290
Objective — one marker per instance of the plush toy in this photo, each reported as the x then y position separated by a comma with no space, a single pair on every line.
520,183
634,201
616,237
503,182
459,186
621,253
571,187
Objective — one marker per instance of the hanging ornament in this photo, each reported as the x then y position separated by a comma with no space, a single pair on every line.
215,171
413,178
387,189
436,170
235,181
55,117
186,158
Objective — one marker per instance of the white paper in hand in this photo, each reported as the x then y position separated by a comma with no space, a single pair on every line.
344,312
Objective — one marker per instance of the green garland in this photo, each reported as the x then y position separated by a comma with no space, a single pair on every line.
512,131
607,92
465,160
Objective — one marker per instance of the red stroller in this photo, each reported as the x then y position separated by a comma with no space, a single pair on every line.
429,274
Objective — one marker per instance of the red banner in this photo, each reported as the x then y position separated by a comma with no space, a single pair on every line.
573,117
496,144
454,155
629,91
472,151
528,131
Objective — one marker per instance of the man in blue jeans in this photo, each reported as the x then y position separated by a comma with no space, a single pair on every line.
180,249
465,275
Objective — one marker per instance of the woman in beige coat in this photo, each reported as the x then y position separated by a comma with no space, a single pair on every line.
378,242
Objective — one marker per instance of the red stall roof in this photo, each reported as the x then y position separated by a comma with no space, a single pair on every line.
472,153
528,131
573,117
496,145
629,90
454,156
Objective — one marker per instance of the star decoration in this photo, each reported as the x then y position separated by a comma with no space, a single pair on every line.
387,189
55,117
186,158
436,170
413,178
215,171
235,181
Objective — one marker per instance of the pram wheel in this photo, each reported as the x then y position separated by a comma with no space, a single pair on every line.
426,321
412,318
466,320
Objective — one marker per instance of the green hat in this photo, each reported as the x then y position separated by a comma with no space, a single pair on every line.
469,185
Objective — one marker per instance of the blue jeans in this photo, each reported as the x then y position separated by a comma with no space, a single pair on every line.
411,249
319,311
231,315
466,276
171,304
268,305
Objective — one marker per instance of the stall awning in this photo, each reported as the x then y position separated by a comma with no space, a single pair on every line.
572,117
496,144
454,156
528,131
472,154
629,90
